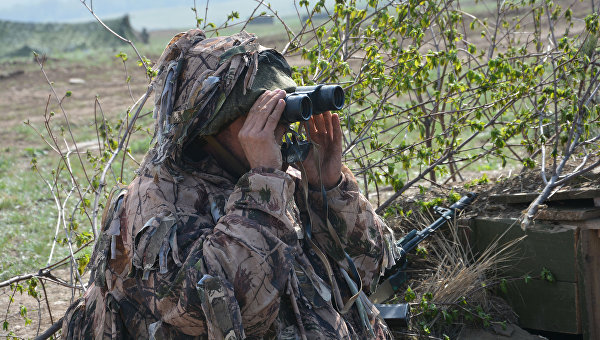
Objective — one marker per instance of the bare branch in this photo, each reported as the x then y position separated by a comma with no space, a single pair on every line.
102,182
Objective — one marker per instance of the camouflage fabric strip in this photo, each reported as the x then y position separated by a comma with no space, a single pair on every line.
252,47
219,305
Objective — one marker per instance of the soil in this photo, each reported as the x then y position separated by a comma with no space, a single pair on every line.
58,299
26,92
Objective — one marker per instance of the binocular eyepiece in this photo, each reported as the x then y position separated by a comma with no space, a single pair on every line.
311,100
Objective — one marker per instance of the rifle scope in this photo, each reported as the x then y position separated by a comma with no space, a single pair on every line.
311,100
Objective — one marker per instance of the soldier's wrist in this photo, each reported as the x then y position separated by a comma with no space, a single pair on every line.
331,185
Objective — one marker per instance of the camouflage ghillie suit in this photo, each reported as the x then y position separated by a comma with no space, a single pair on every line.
189,250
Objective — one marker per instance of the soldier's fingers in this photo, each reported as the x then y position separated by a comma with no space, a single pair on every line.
255,110
337,131
260,102
272,101
273,118
312,126
268,109
328,125
320,124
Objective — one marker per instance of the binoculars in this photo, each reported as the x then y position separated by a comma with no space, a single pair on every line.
299,107
311,100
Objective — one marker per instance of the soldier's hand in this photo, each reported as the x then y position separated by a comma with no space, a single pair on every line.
260,136
325,130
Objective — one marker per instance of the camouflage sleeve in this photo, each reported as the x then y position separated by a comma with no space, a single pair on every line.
250,246
363,234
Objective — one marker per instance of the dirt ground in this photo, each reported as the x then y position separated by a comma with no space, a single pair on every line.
26,92
59,299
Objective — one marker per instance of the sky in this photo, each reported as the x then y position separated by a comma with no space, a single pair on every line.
150,14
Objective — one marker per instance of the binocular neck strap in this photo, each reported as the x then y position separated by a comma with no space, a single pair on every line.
341,307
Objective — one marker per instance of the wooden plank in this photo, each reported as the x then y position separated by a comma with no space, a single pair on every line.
568,214
558,196
545,246
544,305
589,282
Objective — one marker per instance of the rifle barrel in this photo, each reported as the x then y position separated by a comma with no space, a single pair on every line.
413,238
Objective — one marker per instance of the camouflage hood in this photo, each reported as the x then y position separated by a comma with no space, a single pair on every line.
203,84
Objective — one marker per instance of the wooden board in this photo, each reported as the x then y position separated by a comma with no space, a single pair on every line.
589,282
568,214
571,251
558,196
544,305
545,246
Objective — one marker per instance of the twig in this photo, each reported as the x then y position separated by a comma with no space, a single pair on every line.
127,79
527,218
252,14
102,182
578,173
97,105
65,226
39,315
195,9
47,302
448,154
46,272
50,331
59,101
10,301
543,149
205,14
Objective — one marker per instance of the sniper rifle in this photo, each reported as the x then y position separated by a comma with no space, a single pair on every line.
409,242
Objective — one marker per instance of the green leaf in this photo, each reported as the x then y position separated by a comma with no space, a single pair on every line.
122,56
82,262
504,286
409,295
547,275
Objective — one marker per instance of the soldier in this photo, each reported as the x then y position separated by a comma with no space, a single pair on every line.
216,237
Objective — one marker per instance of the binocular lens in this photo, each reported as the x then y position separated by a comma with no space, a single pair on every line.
324,97
306,110
298,108
338,97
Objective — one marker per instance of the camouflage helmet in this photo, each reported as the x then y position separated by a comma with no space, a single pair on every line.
203,84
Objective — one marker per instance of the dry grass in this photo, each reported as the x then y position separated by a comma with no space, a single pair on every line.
452,286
